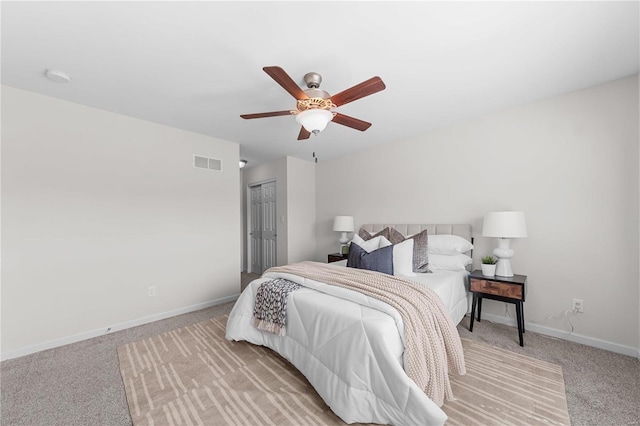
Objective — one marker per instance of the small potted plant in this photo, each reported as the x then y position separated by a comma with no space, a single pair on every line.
489,266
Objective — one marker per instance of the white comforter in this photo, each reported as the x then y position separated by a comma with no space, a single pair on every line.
351,353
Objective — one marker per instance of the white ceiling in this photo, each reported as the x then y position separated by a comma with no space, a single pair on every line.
198,65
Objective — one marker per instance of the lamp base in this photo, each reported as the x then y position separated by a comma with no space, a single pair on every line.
503,268
504,253
344,239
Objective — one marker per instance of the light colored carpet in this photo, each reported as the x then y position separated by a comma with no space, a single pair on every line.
246,278
192,375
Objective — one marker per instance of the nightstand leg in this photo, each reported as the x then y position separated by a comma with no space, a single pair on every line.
520,321
522,310
473,311
479,308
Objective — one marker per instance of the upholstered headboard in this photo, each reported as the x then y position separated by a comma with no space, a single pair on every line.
462,230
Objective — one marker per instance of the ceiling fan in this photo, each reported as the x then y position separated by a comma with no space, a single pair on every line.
313,108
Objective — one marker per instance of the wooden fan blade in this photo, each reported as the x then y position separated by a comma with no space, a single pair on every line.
354,123
283,79
304,133
265,114
366,88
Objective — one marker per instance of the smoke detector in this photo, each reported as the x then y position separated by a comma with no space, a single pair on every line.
57,76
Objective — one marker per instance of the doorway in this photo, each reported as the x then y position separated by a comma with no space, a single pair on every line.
262,227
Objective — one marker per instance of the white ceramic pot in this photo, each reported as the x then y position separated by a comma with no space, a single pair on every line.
488,270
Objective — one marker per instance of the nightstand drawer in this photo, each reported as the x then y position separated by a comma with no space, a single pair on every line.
336,257
499,289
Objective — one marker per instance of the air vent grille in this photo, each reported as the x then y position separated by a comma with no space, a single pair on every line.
215,164
200,162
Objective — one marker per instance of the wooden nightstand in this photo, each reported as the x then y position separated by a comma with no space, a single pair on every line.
505,289
336,257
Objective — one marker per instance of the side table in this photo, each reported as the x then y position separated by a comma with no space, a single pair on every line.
504,289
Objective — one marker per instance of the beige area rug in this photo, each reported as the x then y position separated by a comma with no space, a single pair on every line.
194,376
505,388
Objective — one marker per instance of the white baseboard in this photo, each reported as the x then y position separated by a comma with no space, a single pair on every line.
565,335
116,327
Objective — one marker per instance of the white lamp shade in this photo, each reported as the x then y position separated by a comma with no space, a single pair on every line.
504,225
314,120
343,224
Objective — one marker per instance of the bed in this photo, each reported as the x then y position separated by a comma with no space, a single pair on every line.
350,346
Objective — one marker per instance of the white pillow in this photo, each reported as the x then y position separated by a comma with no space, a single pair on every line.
452,262
403,258
447,244
372,244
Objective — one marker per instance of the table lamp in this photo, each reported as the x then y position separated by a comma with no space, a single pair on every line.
343,224
504,226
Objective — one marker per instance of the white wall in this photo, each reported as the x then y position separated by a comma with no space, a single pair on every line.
569,162
96,208
301,208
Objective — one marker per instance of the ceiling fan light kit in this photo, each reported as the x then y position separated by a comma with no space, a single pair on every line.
314,105
314,120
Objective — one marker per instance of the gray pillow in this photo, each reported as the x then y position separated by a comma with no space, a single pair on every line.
420,245
380,260
365,235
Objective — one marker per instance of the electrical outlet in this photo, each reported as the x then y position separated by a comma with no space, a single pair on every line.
152,290
578,305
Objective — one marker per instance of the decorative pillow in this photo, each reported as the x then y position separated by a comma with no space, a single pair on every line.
452,262
395,236
372,244
380,260
403,259
365,235
448,244
420,247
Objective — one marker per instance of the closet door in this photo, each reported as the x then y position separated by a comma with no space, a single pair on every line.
269,225
256,229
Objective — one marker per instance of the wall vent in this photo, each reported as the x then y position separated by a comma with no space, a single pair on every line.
200,162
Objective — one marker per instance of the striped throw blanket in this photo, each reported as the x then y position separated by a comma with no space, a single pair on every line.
270,309
432,344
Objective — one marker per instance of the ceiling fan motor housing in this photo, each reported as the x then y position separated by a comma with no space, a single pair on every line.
317,98
317,93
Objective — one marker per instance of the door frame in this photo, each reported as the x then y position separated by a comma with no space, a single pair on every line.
248,215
